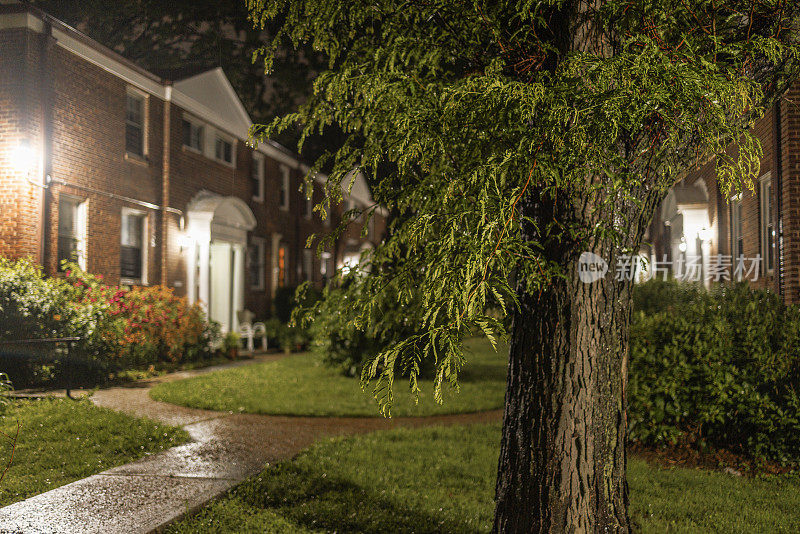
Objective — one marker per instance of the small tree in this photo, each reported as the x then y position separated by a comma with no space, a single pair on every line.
513,136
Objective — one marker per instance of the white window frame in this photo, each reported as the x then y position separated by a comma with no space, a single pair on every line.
133,92
194,123
257,173
260,245
219,136
283,203
736,223
145,244
81,224
765,222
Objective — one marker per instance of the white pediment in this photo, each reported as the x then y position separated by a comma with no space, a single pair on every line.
212,93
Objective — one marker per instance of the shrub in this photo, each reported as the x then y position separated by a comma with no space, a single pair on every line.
343,342
288,298
119,328
716,368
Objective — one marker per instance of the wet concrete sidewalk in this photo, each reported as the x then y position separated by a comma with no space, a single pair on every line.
226,448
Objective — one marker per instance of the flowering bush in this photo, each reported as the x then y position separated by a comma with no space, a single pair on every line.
119,328
138,326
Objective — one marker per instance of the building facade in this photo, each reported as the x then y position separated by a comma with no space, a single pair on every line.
757,230
146,181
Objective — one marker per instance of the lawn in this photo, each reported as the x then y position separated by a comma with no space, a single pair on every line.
442,480
63,440
301,385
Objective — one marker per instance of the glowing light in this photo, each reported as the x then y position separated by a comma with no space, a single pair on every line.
704,234
23,158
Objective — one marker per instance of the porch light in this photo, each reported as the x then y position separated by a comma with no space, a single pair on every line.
22,158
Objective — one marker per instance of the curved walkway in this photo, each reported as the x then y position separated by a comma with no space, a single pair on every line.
226,448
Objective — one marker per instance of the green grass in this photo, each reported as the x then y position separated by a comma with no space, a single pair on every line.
63,440
442,480
301,385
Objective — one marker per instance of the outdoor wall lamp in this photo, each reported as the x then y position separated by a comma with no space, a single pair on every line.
22,158
682,245
704,235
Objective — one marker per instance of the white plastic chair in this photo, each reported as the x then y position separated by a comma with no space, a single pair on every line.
249,330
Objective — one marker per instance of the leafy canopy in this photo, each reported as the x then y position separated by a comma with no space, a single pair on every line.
506,136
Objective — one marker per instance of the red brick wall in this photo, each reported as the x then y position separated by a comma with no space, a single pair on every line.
20,200
84,106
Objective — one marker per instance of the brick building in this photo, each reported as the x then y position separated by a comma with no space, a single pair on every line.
761,225
146,181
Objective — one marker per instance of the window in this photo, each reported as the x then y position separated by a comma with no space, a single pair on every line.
283,196
308,264
134,124
133,247
282,266
255,257
737,239
71,231
257,177
223,150
767,226
192,135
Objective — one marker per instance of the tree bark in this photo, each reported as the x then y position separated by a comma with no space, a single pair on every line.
562,459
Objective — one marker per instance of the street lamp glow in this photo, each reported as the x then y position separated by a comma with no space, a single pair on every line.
23,158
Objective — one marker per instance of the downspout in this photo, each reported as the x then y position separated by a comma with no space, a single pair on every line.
778,165
46,128
165,171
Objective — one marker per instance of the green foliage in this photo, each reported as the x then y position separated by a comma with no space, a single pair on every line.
118,328
230,341
287,299
345,343
509,136
717,368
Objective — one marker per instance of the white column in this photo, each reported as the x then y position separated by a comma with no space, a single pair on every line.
238,284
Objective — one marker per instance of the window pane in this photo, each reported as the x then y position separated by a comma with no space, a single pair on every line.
186,126
67,218
134,140
132,230
134,109
130,262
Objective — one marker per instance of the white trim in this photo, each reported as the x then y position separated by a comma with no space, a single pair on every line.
81,225
98,58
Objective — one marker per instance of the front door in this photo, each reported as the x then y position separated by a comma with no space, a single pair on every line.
226,267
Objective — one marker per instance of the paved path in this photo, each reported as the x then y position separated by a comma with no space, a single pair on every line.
226,448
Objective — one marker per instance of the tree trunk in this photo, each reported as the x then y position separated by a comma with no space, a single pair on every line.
562,459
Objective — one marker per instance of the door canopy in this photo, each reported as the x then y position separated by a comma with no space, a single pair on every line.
220,218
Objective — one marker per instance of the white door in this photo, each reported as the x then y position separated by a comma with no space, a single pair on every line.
226,292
